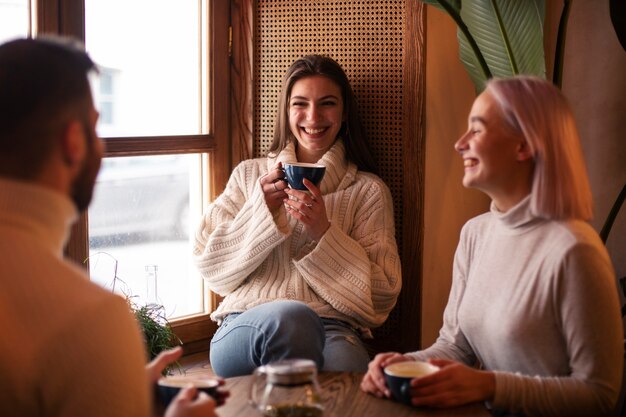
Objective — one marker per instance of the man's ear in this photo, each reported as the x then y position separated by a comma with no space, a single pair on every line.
524,152
73,143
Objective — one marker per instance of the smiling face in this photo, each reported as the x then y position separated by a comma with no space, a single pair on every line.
496,161
315,116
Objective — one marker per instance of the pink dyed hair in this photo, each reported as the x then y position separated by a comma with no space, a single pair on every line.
537,110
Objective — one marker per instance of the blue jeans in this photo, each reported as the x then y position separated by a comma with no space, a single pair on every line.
281,330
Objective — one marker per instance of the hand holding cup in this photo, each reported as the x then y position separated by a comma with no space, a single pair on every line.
308,207
297,172
273,185
399,375
169,387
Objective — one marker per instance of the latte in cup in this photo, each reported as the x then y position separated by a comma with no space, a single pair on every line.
169,387
398,377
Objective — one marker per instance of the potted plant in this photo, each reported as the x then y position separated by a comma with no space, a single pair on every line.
156,329
502,38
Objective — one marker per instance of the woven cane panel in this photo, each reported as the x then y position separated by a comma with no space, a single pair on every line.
366,39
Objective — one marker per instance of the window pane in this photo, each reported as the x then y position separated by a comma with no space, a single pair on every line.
14,19
139,225
149,54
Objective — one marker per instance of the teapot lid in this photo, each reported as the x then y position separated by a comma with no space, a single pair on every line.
291,371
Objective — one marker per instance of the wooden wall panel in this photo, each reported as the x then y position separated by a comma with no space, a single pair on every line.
380,45
242,83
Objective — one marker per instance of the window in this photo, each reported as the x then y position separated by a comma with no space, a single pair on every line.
14,19
105,98
163,83
151,84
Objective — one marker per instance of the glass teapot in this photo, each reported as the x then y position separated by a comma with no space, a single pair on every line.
287,388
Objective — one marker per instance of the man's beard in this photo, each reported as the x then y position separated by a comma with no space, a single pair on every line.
83,185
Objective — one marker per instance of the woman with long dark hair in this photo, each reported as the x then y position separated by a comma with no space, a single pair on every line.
304,274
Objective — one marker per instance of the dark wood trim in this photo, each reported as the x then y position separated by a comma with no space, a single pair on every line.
195,332
157,145
77,247
242,76
414,147
219,113
72,18
62,17
47,16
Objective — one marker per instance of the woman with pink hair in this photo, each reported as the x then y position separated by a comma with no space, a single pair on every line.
533,323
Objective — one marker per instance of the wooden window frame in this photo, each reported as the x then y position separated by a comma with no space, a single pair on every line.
67,17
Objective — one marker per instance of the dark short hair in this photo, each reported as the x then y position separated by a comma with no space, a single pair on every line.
352,131
43,85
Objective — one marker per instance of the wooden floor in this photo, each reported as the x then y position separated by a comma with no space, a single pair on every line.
196,364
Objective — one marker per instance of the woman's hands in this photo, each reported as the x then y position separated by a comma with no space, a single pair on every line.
273,185
309,209
374,380
453,385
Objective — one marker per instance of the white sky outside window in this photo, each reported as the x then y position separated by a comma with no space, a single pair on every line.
151,48
148,54
14,19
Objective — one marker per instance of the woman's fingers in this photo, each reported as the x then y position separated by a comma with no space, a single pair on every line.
273,185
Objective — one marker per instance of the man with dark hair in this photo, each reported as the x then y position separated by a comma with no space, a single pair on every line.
69,347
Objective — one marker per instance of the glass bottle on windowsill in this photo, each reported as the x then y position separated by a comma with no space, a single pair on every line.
151,285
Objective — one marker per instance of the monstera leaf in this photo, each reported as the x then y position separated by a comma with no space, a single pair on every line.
617,9
498,37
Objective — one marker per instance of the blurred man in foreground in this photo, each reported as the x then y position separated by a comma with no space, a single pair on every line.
69,348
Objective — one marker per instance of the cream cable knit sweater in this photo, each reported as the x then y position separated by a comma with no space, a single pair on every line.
252,257
69,347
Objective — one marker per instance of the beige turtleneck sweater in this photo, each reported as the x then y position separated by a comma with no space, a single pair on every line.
68,347
251,257
536,302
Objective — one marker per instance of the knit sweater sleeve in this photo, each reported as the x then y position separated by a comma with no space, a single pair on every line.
587,305
237,231
358,271
451,343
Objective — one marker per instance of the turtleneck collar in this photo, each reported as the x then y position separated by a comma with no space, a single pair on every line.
339,172
517,216
37,211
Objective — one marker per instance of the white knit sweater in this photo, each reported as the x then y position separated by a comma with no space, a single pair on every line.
252,257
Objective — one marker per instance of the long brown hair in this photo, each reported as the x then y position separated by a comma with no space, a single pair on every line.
352,130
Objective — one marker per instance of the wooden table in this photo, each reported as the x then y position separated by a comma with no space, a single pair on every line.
342,397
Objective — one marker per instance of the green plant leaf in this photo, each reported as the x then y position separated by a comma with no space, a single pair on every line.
509,35
453,8
456,4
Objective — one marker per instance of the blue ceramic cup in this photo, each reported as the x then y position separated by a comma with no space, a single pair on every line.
399,375
169,387
295,172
